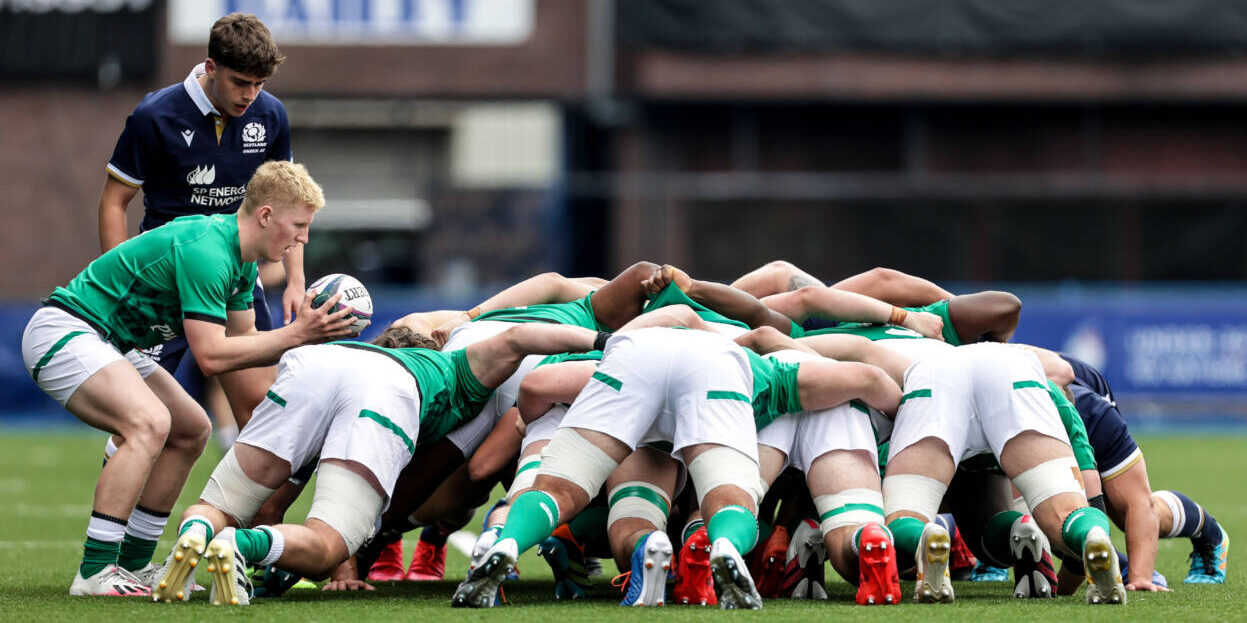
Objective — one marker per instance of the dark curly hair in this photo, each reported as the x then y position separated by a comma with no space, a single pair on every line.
402,337
243,43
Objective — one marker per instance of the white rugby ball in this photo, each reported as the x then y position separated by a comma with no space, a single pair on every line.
354,295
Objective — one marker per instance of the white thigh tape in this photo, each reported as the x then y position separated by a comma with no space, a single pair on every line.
1048,479
233,493
725,466
572,458
346,503
640,500
525,475
851,507
914,493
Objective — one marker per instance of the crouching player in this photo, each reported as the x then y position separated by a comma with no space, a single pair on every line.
361,408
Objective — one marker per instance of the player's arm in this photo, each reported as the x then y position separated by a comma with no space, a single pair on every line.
1054,367
114,200
296,283
857,348
895,287
425,322
495,359
1130,495
217,352
623,297
823,384
765,340
552,384
500,448
544,288
731,302
833,304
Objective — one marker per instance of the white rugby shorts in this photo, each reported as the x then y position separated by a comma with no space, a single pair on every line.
682,386
339,403
61,352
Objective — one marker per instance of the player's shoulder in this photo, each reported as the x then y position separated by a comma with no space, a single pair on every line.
268,104
169,101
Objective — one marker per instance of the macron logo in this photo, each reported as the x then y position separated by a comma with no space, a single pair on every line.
202,175
187,135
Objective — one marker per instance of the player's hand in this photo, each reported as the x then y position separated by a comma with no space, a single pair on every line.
347,585
442,333
290,299
665,275
1145,585
928,324
317,324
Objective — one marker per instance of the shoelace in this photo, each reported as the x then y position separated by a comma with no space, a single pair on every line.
621,580
127,576
1208,559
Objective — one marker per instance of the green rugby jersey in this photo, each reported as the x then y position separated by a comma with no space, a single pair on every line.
450,394
672,295
138,293
940,308
775,390
875,331
577,313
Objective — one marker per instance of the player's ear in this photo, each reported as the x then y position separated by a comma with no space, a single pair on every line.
210,67
265,214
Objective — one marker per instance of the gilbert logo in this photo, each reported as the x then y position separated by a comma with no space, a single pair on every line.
202,175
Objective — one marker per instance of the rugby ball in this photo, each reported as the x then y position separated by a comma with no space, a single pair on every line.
354,295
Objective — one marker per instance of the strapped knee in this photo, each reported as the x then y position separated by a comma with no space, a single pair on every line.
574,459
721,466
230,491
525,474
851,507
640,500
346,502
1048,479
912,493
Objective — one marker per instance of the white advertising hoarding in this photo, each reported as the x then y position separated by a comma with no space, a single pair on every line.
364,22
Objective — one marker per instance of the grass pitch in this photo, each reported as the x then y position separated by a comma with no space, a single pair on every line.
46,481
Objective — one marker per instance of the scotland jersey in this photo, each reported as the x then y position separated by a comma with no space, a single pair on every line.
188,159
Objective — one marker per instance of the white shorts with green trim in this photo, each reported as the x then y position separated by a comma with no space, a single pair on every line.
339,403
470,436
681,386
975,399
61,352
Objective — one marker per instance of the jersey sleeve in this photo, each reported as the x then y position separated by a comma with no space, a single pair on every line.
1074,428
243,296
203,279
280,148
135,150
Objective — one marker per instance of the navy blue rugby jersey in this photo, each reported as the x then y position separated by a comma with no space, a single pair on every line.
187,159
1115,448
1089,376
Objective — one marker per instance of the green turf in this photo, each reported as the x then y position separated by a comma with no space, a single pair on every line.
45,491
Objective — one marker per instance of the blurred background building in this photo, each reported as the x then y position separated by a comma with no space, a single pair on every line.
1091,156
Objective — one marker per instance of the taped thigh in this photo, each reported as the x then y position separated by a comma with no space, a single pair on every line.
232,492
573,458
346,503
721,466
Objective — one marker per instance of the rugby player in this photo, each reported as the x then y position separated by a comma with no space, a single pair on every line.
361,408
193,277
191,147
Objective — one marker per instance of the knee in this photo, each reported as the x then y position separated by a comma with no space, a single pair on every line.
880,275
147,427
192,432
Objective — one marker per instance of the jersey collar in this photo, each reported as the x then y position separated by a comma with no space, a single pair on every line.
196,92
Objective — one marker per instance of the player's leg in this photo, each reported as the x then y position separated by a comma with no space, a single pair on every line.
188,435
244,389
639,494
849,500
1180,516
775,278
729,487
914,484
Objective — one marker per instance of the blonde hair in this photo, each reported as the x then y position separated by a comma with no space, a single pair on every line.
282,182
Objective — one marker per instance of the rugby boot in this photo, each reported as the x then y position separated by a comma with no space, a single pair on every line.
480,589
769,562
177,580
150,575
647,581
566,560
984,572
1104,584
693,584
877,581
934,583
428,563
1033,572
961,567
230,585
1208,564
805,563
731,577
388,567
111,581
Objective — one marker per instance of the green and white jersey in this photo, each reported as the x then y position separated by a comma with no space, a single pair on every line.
138,293
577,313
672,295
449,393
593,355
940,308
